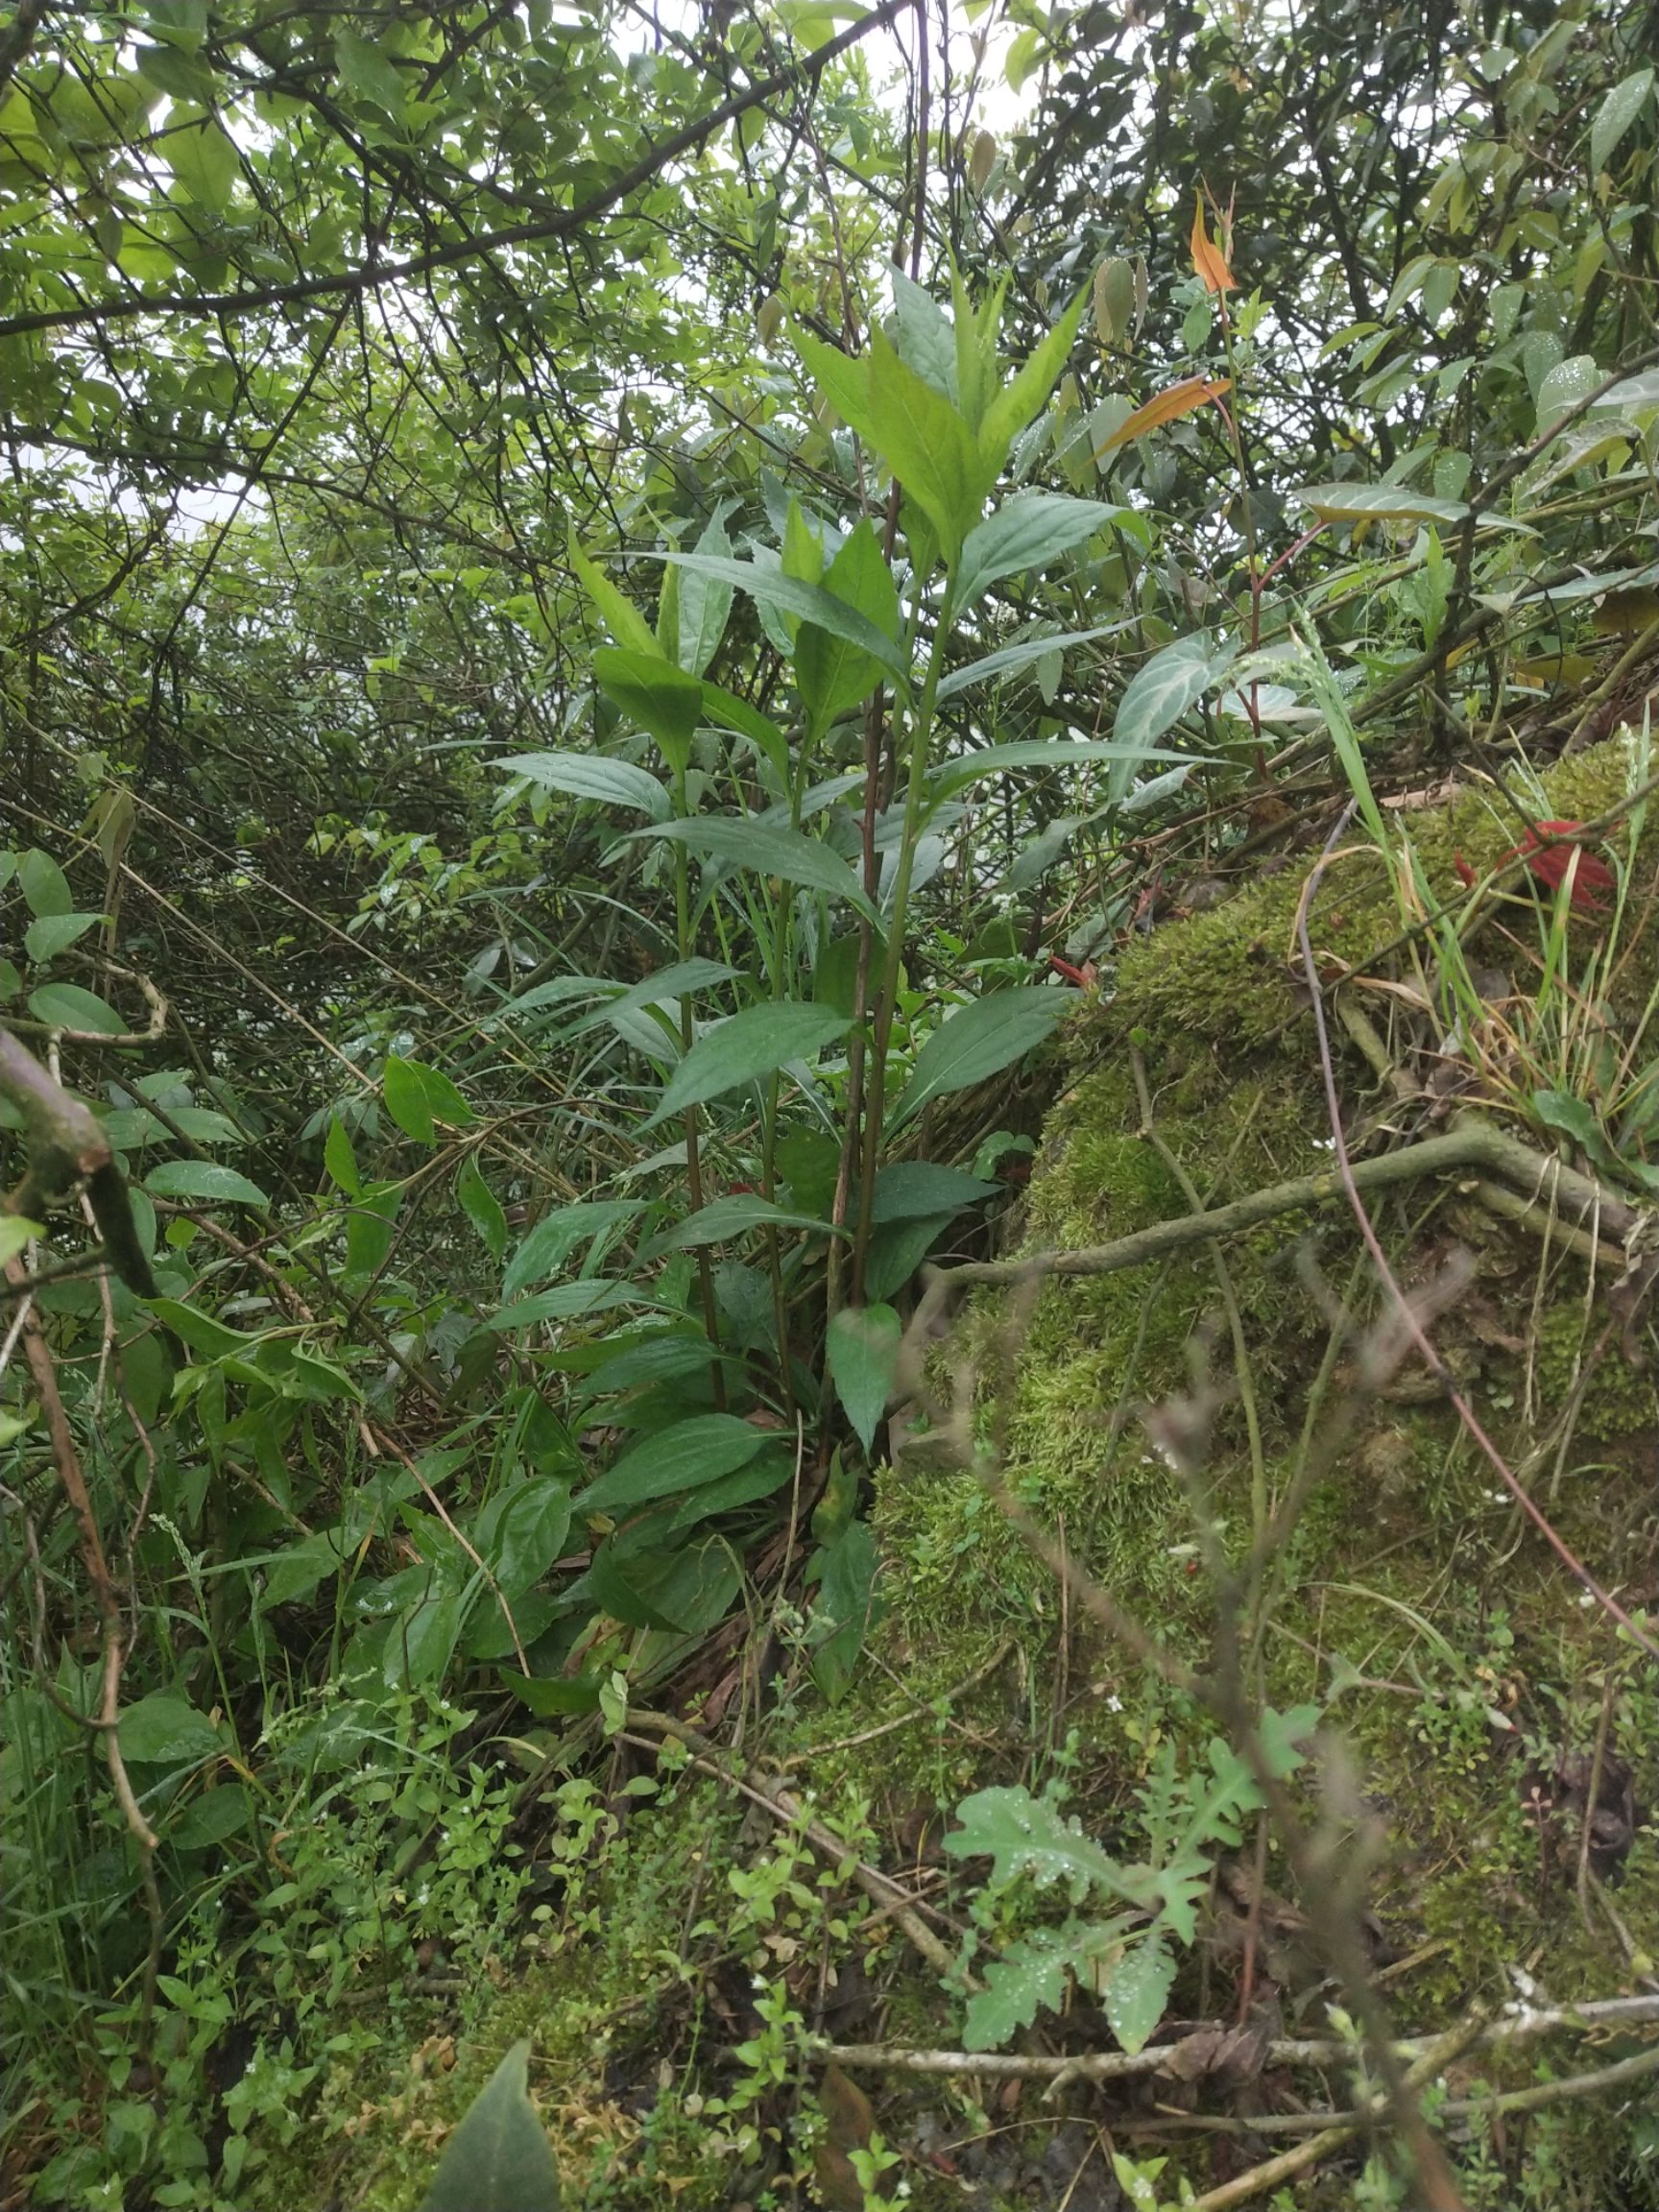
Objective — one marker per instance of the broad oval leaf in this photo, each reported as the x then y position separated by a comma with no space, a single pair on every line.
163,1730
675,1459
590,775
756,1042
66,1006
917,1189
980,1039
862,1354
417,1097
206,1179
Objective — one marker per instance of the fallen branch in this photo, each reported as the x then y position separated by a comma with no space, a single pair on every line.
1474,1146
1523,2025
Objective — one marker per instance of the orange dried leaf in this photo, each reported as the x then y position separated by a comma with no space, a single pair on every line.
1208,260
1166,406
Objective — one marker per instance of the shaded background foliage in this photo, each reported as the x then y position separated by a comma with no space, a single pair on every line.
324,334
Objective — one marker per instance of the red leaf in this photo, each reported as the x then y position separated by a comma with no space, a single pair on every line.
1550,863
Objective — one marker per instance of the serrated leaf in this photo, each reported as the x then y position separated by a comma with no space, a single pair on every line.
1136,1992
756,1042
66,1006
862,1354
675,1459
590,775
208,1180
979,1040
1030,1977
1030,1836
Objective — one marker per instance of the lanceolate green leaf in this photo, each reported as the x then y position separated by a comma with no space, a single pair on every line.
673,1460
1026,531
1158,695
775,851
663,699
752,1043
590,775
833,674
676,981
735,1216
1010,660
725,710
979,1040
558,1233
926,444
1020,399
1619,110
705,603
812,602
626,624
498,2159
1036,753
